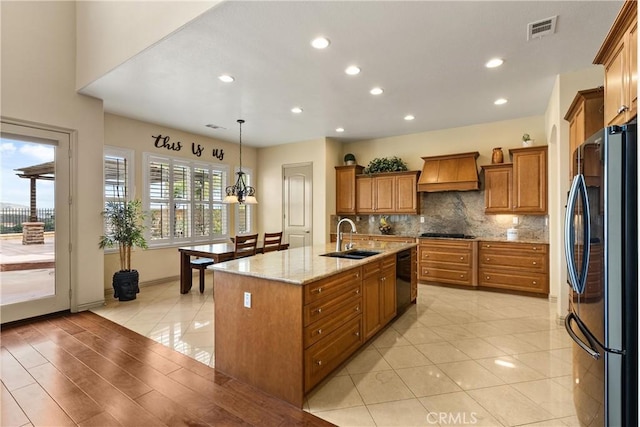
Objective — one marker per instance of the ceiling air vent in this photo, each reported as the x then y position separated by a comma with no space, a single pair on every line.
544,27
212,126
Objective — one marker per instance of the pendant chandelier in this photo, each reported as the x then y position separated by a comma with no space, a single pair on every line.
240,192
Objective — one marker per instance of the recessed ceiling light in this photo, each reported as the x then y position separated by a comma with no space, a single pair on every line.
376,91
409,117
352,70
500,101
494,63
339,129
226,78
320,42
296,110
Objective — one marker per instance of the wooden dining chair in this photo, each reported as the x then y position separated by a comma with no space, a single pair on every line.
201,265
272,242
245,245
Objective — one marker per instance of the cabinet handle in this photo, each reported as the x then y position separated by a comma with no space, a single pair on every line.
488,246
462,276
535,283
426,256
358,308
319,331
488,259
319,310
426,272
317,291
357,291
622,109
535,248
461,257
356,334
357,274
319,362
535,263
488,277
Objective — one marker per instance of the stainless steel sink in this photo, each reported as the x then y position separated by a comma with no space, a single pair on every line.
351,254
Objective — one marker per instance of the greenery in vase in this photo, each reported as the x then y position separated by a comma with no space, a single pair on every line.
526,137
386,164
124,224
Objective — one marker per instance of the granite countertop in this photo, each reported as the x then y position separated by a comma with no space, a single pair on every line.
299,266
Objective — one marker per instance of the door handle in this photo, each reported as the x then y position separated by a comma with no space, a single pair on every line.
578,188
590,347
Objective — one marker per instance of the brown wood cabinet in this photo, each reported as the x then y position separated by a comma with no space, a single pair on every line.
519,187
585,117
498,188
514,266
529,180
332,323
387,193
346,189
379,294
619,55
447,261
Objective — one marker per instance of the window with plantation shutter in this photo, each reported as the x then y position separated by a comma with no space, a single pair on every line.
118,177
184,200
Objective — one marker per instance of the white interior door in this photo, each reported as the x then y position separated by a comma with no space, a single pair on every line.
297,204
35,278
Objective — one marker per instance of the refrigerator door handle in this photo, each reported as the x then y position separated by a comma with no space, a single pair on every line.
578,188
591,347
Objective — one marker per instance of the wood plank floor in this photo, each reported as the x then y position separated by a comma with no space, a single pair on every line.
81,369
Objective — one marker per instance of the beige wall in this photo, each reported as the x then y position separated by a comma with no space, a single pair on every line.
269,186
110,32
557,129
38,85
160,263
482,138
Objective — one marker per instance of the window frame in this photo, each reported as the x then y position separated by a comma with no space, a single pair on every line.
193,167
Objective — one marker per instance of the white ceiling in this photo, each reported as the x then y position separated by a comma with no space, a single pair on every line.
428,56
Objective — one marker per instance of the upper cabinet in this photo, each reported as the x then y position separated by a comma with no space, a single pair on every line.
387,193
619,55
585,117
346,189
520,187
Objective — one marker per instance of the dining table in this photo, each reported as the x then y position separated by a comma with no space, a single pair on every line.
218,252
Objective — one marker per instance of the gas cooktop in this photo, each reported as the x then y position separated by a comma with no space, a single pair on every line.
448,235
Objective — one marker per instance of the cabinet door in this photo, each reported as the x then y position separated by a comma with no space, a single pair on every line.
530,181
615,87
364,190
633,71
371,302
498,189
346,189
384,194
406,194
388,295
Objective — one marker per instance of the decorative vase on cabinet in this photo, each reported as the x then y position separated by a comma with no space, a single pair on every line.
497,156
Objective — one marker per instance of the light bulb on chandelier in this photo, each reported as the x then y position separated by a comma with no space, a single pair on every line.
240,192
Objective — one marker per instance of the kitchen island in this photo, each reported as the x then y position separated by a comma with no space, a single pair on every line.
285,320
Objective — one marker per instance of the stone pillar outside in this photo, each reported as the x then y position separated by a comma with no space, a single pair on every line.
32,233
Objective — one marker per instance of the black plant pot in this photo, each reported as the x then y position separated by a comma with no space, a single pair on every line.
125,285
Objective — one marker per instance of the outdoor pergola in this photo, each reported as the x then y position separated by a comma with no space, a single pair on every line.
33,231
45,171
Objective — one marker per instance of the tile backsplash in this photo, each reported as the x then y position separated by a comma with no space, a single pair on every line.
453,212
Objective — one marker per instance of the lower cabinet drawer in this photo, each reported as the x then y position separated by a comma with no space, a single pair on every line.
325,355
320,329
536,263
431,274
527,282
326,307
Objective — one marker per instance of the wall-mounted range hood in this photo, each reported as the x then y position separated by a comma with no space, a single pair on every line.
451,172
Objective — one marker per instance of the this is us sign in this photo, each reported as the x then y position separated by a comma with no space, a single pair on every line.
164,141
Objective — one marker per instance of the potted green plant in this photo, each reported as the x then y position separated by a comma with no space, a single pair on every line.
349,159
526,140
124,224
386,164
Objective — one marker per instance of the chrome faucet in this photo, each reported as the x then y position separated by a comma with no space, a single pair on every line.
339,239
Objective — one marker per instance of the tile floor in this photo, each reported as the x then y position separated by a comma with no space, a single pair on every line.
458,357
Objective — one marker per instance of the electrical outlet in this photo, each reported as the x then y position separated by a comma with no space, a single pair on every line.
515,220
247,299
421,219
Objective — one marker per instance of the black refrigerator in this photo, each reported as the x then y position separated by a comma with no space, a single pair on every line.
601,247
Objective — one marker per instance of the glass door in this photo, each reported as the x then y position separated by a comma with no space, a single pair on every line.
34,222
